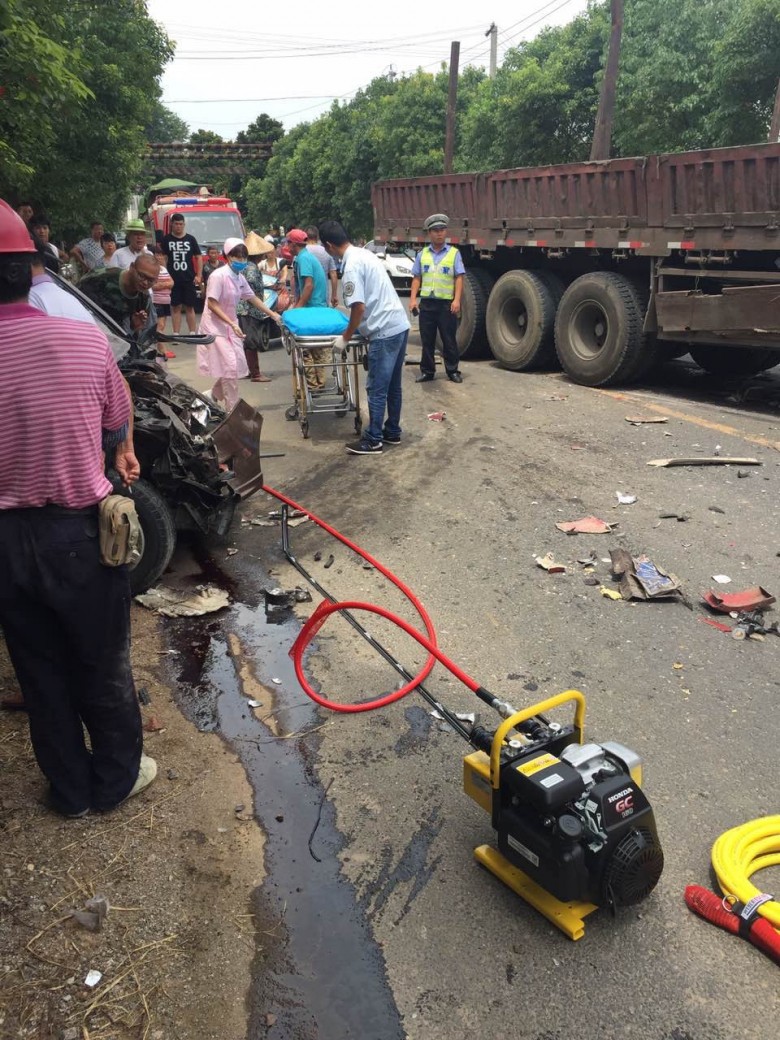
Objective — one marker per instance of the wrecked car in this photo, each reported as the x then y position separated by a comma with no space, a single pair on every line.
197,462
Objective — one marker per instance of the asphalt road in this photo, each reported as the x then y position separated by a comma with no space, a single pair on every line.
459,511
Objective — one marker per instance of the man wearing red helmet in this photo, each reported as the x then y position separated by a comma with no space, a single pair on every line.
65,616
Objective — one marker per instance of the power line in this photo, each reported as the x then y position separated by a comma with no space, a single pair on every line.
256,100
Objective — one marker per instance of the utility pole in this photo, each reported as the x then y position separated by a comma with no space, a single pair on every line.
602,135
774,131
493,34
452,99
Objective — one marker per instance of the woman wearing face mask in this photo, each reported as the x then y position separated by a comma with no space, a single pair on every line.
224,358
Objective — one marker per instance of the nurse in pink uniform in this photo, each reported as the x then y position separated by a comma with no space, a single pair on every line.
224,358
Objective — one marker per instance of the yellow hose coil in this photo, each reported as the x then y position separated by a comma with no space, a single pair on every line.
743,850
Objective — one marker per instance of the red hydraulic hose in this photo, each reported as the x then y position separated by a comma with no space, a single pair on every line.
759,931
321,614
318,619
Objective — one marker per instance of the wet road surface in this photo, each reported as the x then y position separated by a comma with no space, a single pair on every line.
396,931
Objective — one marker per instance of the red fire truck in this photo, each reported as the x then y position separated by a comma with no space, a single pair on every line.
210,218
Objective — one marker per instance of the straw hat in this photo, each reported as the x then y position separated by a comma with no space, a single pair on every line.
257,246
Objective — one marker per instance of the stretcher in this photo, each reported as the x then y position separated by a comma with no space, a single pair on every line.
340,369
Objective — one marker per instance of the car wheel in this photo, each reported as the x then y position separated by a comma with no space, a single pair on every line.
158,535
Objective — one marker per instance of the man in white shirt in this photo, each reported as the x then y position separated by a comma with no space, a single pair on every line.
47,296
135,236
376,311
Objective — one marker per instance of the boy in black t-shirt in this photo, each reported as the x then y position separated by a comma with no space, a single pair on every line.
184,266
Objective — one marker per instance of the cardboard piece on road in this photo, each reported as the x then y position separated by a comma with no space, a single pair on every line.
586,525
705,460
640,420
754,598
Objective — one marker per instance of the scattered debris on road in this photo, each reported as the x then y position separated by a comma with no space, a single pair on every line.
625,500
585,525
610,593
722,579
204,599
705,460
93,914
754,598
679,517
641,420
437,416
640,578
277,600
547,563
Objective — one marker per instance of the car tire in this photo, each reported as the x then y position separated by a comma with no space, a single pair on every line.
520,321
159,534
472,335
599,335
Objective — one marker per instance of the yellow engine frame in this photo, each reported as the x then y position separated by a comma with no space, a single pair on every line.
482,776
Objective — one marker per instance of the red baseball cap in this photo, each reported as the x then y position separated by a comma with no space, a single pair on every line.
297,237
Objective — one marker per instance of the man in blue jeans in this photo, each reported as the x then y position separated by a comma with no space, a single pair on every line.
376,311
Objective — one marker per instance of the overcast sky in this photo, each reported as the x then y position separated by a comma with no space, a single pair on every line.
291,59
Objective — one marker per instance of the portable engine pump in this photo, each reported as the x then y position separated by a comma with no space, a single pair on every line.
574,828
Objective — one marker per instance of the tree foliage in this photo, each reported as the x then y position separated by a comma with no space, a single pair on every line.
82,96
42,84
109,59
205,137
263,128
165,127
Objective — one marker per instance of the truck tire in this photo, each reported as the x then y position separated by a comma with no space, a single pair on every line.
734,361
471,335
159,535
520,320
598,329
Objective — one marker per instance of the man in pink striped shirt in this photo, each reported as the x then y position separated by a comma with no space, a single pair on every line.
65,616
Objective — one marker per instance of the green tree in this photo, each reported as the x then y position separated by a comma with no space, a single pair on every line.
541,106
165,126
263,128
42,85
696,73
87,165
746,59
205,137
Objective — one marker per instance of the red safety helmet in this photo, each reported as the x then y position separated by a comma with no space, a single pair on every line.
14,236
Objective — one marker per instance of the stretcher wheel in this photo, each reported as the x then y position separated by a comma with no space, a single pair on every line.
358,424
292,413
305,428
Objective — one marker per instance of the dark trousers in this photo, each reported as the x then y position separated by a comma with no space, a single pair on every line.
436,316
66,620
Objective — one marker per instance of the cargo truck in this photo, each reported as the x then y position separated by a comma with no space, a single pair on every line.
611,266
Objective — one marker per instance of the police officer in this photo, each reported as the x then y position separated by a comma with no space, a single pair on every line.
437,277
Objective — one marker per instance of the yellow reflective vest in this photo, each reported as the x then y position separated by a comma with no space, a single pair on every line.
438,278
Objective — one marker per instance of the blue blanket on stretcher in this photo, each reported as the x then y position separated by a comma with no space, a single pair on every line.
315,321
